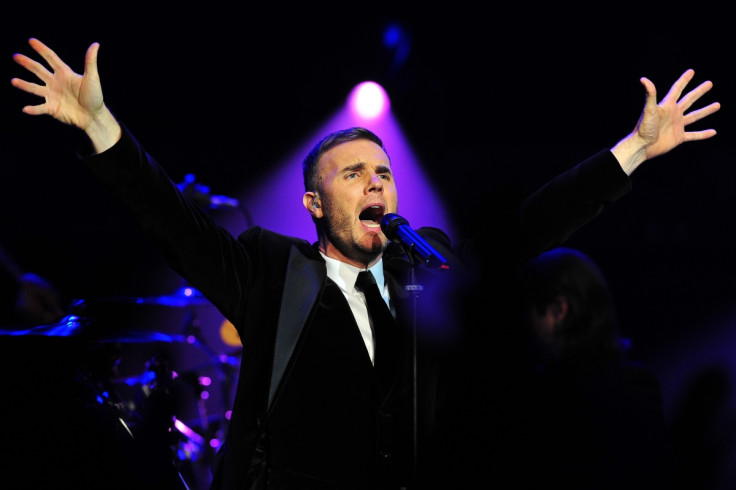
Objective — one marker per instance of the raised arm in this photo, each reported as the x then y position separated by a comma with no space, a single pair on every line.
661,127
69,97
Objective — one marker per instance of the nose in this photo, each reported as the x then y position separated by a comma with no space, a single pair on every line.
375,183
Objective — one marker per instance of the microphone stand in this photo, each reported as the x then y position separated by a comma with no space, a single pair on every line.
416,249
414,289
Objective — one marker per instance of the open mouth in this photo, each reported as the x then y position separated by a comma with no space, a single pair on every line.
371,216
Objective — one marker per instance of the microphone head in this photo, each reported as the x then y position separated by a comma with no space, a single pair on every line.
389,224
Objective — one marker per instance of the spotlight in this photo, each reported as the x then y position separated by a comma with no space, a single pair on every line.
368,100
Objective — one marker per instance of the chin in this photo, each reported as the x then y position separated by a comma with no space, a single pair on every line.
373,248
378,243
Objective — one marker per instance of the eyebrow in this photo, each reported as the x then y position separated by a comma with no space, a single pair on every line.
381,169
354,167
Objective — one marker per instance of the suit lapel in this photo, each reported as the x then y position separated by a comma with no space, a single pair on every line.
302,285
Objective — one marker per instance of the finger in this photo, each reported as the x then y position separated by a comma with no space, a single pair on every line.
31,88
699,135
691,97
651,93
90,61
33,66
679,85
36,110
48,54
701,113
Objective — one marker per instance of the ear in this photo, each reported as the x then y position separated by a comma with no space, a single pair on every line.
312,204
559,308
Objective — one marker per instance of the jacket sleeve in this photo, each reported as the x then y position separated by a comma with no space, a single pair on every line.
195,246
549,216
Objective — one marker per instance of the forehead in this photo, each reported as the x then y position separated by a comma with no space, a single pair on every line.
353,153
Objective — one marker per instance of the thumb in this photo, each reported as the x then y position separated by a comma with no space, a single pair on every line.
90,62
651,92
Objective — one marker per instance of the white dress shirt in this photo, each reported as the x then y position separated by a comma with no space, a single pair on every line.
345,275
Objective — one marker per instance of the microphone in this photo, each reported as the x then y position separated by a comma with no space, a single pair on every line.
201,195
397,229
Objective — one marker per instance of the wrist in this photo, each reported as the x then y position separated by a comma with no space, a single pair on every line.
103,131
630,152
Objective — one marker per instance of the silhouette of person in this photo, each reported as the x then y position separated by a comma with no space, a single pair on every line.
596,415
26,298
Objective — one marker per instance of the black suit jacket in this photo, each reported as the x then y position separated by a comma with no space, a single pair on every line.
266,283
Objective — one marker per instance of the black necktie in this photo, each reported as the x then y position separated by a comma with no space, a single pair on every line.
384,328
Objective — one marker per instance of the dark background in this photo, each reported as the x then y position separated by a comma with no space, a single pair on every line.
487,97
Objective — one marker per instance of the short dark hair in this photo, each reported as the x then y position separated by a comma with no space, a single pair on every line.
309,165
590,329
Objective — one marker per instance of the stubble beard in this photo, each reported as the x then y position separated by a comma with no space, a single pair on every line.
337,230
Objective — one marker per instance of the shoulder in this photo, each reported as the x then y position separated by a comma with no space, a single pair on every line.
272,241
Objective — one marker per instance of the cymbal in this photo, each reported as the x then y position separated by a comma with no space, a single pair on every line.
81,328
185,296
69,326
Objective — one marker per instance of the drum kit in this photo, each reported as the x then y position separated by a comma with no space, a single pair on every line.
165,393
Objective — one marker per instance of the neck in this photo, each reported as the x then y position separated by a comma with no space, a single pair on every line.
363,261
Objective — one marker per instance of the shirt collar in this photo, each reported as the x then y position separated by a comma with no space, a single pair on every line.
345,275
